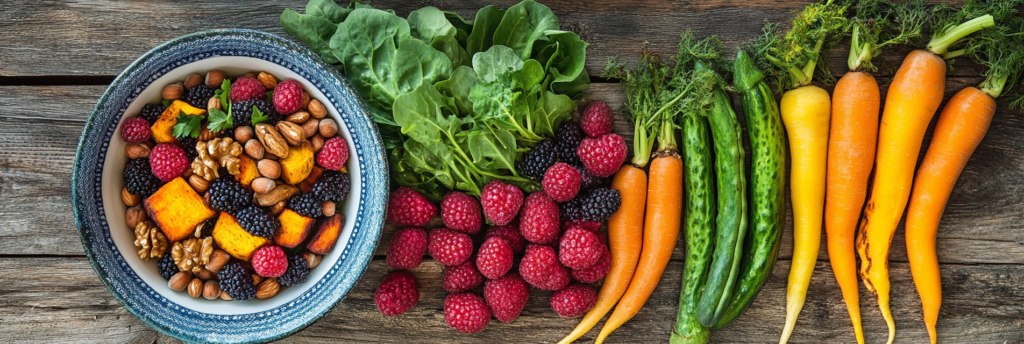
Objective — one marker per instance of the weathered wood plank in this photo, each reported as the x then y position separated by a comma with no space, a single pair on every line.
102,38
60,299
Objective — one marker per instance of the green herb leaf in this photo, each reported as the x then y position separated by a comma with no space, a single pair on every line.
167,102
219,121
258,116
187,125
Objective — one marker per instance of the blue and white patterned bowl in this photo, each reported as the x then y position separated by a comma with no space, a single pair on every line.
99,211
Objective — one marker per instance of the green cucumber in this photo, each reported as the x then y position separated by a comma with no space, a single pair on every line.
767,185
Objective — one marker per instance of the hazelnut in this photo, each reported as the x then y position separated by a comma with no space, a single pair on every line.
195,288
256,279
213,103
217,260
187,174
136,150
211,290
215,78
206,275
307,144
271,156
328,128
311,127
318,143
249,76
263,185
129,199
135,215
312,259
198,183
292,133
267,289
328,208
298,117
254,149
269,168
243,135
224,295
305,100
193,80
317,109
180,281
268,81
173,91
277,208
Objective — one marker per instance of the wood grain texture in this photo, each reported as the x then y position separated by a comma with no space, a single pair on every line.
60,299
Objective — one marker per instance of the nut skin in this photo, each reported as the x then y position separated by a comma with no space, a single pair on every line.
180,281
136,150
254,149
318,143
256,279
305,100
263,185
311,127
243,134
198,183
272,141
213,103
269,168
206,275
193,80
206,135
328,208
277,208
217,260
270,156
195,288
317,109
134,215
298,117
278,194
328,128
249,76
267,289
312,259
224,295
291,132
215,78
268,81
211,290
173,91
206,199
129,199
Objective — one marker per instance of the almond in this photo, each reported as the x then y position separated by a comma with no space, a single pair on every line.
254,149
312,259
198,183
195,288
243,135
328,128
193,80
263,185
173,91
135,215
129,199
278,194
267,289
298,117
180,281
311,127
215,78
256,279
136,151
224,295
317,109
211,290
305,100
269,168
268,81
291,132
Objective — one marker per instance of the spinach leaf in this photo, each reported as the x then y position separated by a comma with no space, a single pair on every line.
496,63
450,47
549,112
457,87
462,27
564,55
429,22
314,31
330,10
522,25
482,35
493,150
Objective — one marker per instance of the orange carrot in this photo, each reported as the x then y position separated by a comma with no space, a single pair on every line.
625,236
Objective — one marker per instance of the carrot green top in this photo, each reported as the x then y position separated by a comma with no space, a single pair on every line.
881,23
953,25
816,29
1002,51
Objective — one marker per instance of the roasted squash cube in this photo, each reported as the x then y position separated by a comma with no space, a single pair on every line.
234,239
177,209
247,170
294,229
296,167
162,128
327,233
307,184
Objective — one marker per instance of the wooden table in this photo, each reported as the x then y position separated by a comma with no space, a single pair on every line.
56,58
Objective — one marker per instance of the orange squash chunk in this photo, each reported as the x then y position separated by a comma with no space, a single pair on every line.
177,209
247,170
234,240
307,185
162,128
297,166
294,229
327,232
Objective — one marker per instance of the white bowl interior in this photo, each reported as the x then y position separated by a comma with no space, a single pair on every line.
115,209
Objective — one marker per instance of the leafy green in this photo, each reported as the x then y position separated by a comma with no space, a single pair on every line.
486,22
188,125
315,31
428,23
522,25
258,116
219,121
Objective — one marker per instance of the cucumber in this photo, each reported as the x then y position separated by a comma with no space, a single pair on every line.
767,185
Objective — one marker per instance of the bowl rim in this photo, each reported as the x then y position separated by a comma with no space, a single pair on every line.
374,220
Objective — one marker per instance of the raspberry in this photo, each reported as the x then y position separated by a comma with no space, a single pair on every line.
168,161
597,271
461,212
540,268
466,312
270,261
539,220
334,154
588,225
562,182
247,89
597,119
449,247
596,205
539,158
152,112
298,271
462,277
500,202
494,258
407,247
397,293
288,97
574,300
406,207
507,296
579,248
510,233
236,282
604,155
569,136
135,130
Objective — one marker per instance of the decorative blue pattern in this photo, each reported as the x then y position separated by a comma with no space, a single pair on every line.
145,302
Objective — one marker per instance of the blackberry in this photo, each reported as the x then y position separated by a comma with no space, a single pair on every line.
257,222
596,205
538,159
306,205
199,96
241,112
167,266
228,195
332,186
297,271
139,178
569,136
188,144
237,282
152,112
590,181
208,227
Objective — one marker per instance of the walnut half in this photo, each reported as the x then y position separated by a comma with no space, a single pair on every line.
192,254
150,240
214,154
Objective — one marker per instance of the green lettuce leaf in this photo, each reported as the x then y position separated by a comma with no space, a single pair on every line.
522,25
481,37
